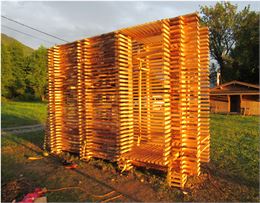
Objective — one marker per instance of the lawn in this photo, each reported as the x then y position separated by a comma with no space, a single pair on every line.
22,113
235,147
231,175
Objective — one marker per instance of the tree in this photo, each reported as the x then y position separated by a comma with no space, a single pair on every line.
36,73
24,75
213,74
17,61
7,76
221,20
246,51
230,44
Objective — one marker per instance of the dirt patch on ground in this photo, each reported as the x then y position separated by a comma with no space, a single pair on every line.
208,188
15,189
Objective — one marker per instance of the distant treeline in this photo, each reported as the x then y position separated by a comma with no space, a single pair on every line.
24,76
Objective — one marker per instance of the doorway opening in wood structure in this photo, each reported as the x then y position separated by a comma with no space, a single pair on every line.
235,104
150,95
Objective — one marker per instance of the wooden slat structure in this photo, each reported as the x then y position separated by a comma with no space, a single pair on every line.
138,96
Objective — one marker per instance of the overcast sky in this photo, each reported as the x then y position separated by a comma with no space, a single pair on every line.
77,20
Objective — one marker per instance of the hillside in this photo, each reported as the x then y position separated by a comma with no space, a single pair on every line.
6,40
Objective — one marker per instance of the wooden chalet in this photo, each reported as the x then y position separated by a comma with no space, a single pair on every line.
235,97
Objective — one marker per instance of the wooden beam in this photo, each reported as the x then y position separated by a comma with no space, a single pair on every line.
228,96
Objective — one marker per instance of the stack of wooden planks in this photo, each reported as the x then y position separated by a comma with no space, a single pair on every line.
138,96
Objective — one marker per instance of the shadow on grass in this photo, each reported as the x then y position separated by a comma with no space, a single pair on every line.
10,120
8,175
105,184
213,170
36,138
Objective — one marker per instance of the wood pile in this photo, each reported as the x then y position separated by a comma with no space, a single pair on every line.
137,96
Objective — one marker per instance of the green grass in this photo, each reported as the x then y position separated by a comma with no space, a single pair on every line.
235,147
22,113
234,165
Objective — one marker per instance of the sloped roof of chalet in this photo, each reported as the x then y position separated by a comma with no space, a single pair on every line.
236,88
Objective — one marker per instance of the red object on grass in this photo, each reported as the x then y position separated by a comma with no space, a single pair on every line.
72,166
30,197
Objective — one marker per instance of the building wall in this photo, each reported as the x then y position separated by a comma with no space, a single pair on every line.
251,104
218,104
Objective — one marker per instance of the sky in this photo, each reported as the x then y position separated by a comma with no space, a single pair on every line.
77,20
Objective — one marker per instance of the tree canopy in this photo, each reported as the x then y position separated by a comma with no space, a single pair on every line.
36,69
234,40
24,75
7,75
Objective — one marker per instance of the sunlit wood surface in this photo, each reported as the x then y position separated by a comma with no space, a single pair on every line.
139,95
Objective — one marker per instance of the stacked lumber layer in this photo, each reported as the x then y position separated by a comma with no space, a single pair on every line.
176,171
189,82
190,144
53,142
125,94
204,95
138,96
87,102
166,44
104,78
65,100
50,131
69,55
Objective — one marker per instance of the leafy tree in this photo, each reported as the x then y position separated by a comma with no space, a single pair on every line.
17,57
36,73
7,76
24,71
213,74
233,40
24,76
221,20
246,51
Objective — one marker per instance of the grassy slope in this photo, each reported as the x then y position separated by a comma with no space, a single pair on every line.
6,40
233,167
22,113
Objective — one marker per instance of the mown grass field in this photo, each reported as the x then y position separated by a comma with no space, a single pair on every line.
22,113
235,147
232,174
